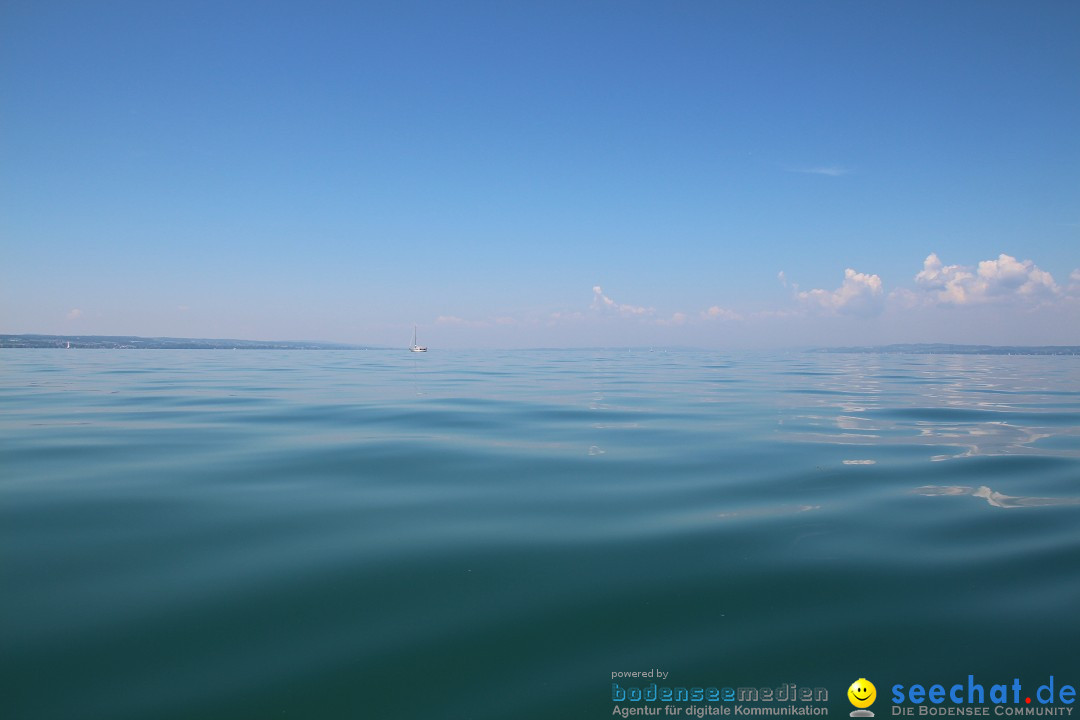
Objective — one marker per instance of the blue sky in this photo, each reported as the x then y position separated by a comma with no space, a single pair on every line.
720,174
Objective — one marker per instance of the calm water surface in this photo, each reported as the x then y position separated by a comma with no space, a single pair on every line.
374,534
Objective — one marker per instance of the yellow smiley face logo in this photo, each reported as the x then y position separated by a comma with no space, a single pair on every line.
862,693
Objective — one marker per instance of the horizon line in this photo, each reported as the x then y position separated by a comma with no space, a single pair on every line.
244,344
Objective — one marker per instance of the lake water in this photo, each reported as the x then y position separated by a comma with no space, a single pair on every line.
374,534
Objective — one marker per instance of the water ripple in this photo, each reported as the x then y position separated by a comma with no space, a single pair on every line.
369,534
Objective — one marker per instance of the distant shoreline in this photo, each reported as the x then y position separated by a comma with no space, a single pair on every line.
132,342
946,349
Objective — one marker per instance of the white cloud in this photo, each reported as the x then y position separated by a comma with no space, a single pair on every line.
950,282
905,298
861,294
75,314
1074,281
829,170
603,302
992,280
782,278
718,313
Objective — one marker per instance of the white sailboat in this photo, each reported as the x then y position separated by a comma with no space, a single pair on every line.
414,347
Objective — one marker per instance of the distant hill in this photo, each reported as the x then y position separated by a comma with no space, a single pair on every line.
945,349
130,342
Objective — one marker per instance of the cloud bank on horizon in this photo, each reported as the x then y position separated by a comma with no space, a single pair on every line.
1002,285
1003,281
1004,292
